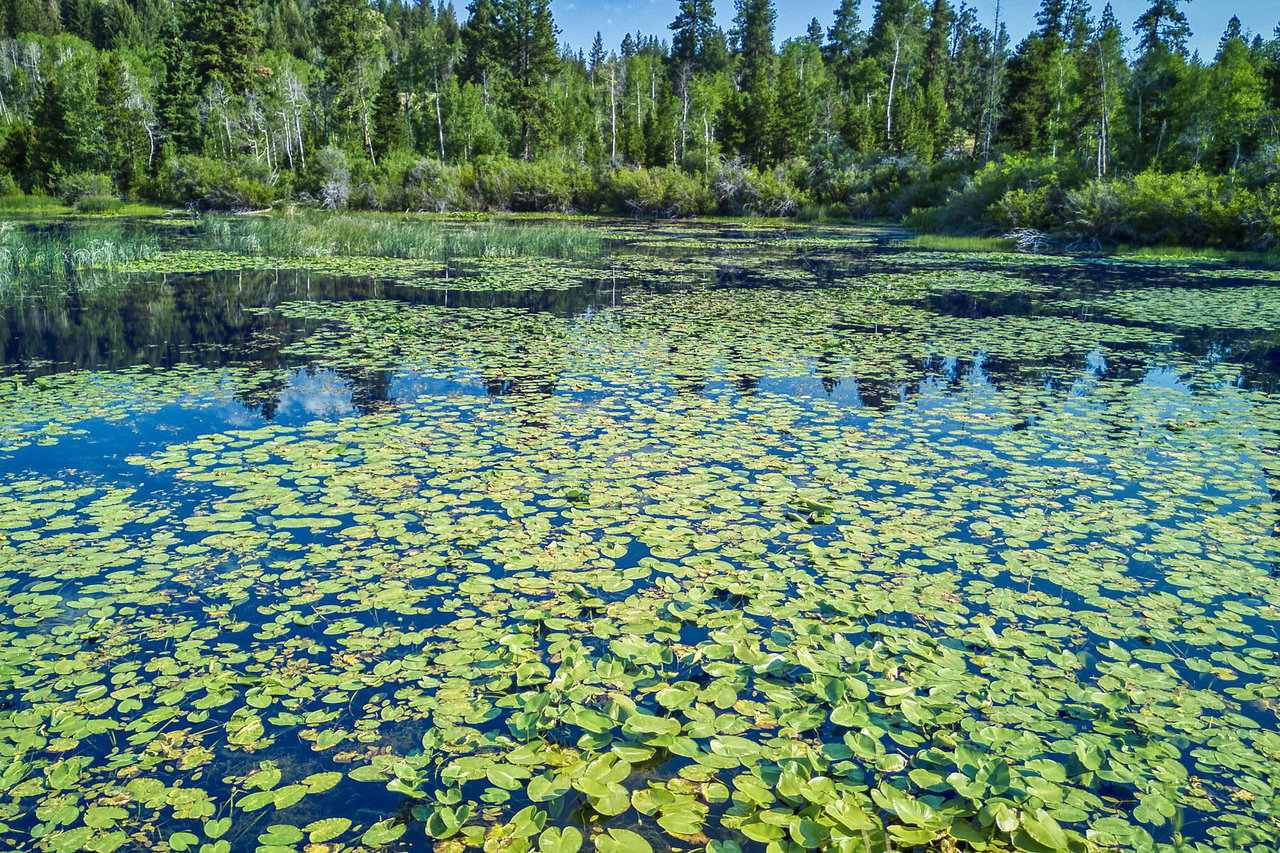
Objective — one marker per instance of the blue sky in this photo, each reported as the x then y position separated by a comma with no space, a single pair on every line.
580,19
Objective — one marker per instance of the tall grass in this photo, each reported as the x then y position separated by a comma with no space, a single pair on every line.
957,243
29,257
1186,253
311,236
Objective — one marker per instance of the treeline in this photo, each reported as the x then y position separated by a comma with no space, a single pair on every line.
242,103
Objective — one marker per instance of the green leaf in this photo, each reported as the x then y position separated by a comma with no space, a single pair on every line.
622,841
383,832
547,787
1045,830
566,840
326,829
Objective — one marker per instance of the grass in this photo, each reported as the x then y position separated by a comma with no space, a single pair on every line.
1186,253
331,235
959,243
28,207
26,256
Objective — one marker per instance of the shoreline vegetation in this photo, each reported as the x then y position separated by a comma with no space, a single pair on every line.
88,250
1090,130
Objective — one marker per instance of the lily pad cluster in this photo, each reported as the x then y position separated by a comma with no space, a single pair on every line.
735,568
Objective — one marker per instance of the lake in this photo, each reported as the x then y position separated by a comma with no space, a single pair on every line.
725,536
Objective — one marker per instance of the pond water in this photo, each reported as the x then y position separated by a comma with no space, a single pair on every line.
734,538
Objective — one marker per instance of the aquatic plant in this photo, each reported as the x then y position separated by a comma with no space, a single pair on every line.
312,236
27,256
816,561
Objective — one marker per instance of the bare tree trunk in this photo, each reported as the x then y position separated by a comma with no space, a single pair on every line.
893,82
613,114
996,58
439,123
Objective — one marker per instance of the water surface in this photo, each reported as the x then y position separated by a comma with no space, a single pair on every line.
784,538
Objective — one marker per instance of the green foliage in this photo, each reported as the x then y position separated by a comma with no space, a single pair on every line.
326,236
657,192
212,184
73,188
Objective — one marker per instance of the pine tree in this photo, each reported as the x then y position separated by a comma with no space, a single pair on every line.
814,33
347,32
894,44
125,146
388,117
754,108
1039,84
935,118
479,37
1159,72
224,40
1237,96
1103,81
597,56
844,43
177,96
526,37
694,36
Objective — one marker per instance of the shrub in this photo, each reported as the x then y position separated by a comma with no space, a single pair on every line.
209,184
96,204
658,192
73,188
1032,185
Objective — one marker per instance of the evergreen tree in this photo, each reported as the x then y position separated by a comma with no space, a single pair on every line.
936,132
894,45
177,96
694,36
480,43
526,39
597,57
388,117
1102,86
1039,85
1159,72
224,40
347,32
1237,96
126,147
844,43
754,107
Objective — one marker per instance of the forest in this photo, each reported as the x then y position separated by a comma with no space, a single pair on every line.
1091,128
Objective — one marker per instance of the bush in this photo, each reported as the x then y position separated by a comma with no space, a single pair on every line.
657,192
96,204
739,189
208,184
1015,191
8,186
501,183
73,188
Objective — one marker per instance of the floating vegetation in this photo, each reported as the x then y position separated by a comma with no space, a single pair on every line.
752,552
1219,308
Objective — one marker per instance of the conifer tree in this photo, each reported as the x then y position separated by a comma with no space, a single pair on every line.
224,40
754,105
935,117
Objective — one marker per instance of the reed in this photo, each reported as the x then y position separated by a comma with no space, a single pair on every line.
321,235
33,257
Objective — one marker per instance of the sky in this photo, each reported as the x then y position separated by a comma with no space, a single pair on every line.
580,19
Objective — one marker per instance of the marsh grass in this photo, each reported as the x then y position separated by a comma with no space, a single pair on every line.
960,243
1188,253
320,236
48,208
29,258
